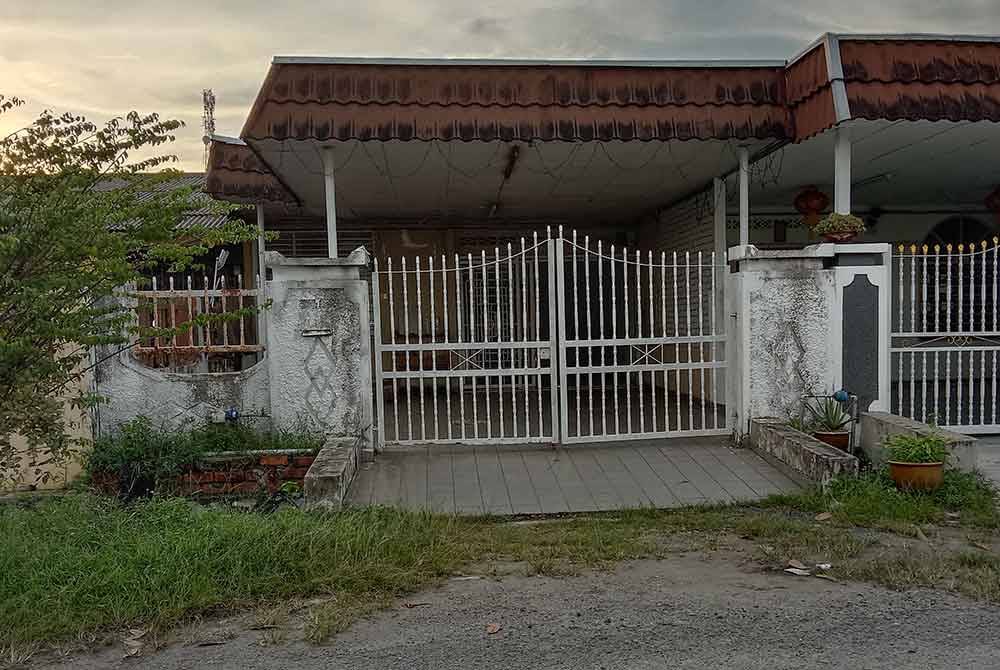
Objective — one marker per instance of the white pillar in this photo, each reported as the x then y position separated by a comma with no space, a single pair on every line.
261,276
744,196
842,172
331,202
719,209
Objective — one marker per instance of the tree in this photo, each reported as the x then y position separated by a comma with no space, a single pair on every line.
84,210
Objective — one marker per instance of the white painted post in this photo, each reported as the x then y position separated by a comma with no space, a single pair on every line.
331,202
842,172
744,196
260,274
719,212
718,277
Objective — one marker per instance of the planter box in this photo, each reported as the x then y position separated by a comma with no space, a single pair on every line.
804,454
877,426
331,474
243,473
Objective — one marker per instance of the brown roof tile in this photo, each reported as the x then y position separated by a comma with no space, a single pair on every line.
931,102
807,76
302,121
884,79
925,61
236,174
515,85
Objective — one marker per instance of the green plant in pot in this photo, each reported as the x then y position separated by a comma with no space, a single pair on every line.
828,422
916,462
840,227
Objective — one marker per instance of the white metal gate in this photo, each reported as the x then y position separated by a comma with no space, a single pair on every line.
642,358
945,337
557,341
464,345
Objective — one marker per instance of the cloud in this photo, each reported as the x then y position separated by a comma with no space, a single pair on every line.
107,57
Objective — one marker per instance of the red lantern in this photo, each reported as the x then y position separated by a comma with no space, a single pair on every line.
810,203
992,203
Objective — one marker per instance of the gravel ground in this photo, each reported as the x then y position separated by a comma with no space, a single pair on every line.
685,612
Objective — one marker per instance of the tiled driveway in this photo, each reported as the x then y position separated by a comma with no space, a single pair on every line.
543,480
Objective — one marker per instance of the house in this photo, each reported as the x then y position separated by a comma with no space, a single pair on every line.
557,245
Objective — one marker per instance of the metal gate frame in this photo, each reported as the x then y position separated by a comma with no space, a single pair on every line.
647,347
462,274
466,349
944,333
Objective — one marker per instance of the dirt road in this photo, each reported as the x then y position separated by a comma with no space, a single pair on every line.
685,612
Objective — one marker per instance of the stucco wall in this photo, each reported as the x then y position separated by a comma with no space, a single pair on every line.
790,320
175,400
784,339
319,356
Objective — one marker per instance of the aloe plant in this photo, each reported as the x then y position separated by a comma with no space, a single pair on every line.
829,416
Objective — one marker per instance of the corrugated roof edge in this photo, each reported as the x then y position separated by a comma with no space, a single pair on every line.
517,62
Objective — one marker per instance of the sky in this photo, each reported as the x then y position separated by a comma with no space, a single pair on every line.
102,58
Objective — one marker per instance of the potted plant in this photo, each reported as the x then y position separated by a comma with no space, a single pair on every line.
828,422
916,462
840,227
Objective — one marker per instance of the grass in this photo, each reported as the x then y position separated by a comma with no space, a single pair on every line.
873,501
139,450
79,566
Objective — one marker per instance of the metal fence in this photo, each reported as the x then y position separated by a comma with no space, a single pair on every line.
946,336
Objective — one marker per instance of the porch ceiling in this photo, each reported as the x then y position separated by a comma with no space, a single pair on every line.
548,180
895,164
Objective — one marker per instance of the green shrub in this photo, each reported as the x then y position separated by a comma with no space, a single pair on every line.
931,448
840,223
142,456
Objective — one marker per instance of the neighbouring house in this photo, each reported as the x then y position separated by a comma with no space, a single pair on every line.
581,251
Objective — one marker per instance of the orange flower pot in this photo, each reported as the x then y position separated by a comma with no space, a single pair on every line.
840,439
916,476
839,238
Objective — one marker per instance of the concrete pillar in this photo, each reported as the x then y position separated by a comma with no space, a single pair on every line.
807,321
319,344
330,192
842,172
719,214
744,196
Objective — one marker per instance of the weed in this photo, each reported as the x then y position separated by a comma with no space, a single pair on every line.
872,500
143,456
79,566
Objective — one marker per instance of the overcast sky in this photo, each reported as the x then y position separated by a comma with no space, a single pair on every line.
105,57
